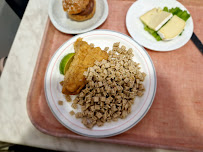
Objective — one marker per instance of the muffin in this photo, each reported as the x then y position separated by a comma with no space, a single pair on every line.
79,10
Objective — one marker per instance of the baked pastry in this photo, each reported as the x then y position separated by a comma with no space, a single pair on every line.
79,10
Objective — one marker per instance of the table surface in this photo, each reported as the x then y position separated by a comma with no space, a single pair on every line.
14,85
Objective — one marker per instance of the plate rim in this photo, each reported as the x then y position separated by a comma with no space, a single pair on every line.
155,49
66,31
127,128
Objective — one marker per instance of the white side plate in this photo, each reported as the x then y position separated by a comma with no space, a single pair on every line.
136,28
101,38
64,24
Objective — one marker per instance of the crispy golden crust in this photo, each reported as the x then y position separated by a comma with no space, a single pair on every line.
85,56
83,17
74,6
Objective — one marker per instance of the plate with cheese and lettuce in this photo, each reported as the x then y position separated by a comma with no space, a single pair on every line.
159,25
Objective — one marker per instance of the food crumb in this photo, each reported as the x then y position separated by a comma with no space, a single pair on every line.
68,98
72,112
61,83
60,102
74,106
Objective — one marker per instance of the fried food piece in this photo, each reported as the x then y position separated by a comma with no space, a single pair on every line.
85,56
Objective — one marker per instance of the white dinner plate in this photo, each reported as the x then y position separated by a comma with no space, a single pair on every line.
64,24
101,38
136,28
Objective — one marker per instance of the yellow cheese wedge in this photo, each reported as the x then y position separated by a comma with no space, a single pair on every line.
172,29
155,18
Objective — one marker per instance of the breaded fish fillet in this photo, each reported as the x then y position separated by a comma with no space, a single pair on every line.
85,56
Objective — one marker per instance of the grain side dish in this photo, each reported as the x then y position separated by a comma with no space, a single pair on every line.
111,88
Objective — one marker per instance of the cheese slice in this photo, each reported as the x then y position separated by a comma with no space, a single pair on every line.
155,18
172,29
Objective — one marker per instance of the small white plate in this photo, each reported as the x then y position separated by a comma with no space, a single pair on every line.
136,28
64,24
101,38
